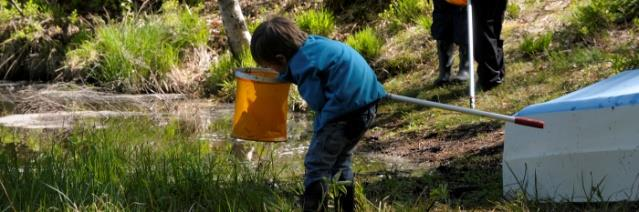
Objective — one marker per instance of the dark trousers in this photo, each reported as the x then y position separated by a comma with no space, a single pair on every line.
489,53
330,153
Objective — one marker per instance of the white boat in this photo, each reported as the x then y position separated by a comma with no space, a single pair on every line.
588,150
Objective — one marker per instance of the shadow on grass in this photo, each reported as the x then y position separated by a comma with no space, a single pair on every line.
393,110
460,133
470,181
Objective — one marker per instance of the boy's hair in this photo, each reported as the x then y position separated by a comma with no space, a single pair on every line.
277,35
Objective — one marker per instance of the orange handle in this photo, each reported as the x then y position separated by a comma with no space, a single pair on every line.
529,122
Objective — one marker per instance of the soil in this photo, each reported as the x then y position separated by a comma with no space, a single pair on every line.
434,148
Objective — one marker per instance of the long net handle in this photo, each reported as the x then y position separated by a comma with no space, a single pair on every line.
524,121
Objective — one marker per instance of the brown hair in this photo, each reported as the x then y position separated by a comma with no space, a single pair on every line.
277,35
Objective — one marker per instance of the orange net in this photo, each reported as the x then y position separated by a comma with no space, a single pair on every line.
261,106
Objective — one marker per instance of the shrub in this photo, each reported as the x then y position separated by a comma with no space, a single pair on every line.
624,10
598,15
136,164
365,42
592,18
532,46
320,22
30,41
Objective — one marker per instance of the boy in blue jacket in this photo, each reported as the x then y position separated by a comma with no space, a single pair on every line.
338,85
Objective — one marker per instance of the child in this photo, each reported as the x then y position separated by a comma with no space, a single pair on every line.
338,85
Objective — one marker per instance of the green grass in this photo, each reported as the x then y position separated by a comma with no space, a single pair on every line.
319,22
134,164
532,46
404,12
366,42
136,54
512,10
425,21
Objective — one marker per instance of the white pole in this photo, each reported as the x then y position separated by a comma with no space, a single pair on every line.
471,44
517,120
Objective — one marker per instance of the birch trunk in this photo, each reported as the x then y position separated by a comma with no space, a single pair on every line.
234,26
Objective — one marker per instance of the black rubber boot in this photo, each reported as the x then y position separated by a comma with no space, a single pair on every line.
346,201
445,56
315,197
463,73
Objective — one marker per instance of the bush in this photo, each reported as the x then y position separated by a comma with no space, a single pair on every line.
31,46
624,10
365,42
533,46
596,16
401,12
629,61
320,22
592,18
135,54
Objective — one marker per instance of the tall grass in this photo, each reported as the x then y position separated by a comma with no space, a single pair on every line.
403,12
136,54
366,42
320,22
134,164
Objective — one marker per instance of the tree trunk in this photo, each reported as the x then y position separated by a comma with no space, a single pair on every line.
234,26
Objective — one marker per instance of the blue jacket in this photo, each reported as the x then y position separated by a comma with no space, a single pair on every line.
333,79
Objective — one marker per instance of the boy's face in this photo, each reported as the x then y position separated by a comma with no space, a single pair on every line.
280,64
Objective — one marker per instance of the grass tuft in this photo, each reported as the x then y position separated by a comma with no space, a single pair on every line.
319,22
366,42
532,46
404,12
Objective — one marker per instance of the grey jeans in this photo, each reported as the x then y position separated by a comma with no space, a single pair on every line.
331,149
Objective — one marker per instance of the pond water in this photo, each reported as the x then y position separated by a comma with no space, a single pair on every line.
62,106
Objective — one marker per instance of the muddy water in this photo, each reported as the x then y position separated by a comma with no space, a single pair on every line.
54,106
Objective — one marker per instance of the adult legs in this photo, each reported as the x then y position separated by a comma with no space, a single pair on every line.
489,16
